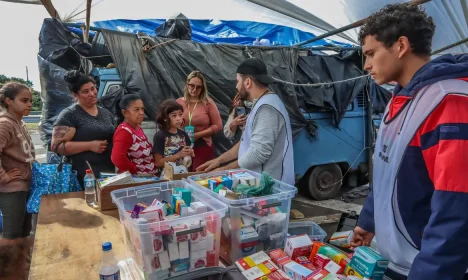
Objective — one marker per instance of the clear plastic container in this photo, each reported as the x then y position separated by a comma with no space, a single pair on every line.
314,231
252,224
156,248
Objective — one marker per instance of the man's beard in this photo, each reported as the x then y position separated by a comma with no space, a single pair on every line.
243,94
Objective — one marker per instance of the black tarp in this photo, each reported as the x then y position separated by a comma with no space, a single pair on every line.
160,73
324,69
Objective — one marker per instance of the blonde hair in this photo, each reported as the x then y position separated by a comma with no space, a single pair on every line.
204,95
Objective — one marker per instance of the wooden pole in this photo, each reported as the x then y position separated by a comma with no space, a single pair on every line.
88,20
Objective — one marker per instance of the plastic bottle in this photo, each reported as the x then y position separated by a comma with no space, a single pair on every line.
90,188
256,42
264,42
109,269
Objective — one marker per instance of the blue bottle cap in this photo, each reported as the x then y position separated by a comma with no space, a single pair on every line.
107,246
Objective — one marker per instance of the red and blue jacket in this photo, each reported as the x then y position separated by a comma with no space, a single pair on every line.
433,177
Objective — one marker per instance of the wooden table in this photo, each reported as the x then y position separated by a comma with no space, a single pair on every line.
69,236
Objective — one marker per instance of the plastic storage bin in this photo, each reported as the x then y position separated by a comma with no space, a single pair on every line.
314,231
171,247
252,224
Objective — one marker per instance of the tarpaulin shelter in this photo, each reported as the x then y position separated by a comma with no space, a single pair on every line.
161,69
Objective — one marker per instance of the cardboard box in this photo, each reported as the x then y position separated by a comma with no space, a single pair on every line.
334,268
318,275
297,271
298,246
168,173
276,254
320,261
368,263
342,239
282,261
260,270
251,261
277,275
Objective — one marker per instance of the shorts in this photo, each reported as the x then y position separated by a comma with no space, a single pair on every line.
16,221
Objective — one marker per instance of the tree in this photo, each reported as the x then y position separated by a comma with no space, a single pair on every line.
36,96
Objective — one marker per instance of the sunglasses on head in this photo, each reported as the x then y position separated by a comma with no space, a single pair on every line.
196,87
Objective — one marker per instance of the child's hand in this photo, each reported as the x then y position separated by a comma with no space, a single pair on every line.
186,151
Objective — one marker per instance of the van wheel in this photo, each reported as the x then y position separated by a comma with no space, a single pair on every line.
325,181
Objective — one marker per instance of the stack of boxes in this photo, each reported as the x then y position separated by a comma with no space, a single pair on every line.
168,251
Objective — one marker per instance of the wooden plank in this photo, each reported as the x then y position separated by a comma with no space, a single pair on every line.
69,236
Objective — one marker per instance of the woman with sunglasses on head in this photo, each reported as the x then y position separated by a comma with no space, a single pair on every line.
201,118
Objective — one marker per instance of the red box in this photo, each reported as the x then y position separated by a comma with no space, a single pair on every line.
320,261
302,260
310,266
276,254
298,246
318,275
282,261
277,275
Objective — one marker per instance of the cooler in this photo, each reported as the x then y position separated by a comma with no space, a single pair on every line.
252,224
170,248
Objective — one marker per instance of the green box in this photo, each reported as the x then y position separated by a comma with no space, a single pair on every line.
368,263
186,195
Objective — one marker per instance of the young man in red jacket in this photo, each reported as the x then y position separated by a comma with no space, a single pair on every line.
418,207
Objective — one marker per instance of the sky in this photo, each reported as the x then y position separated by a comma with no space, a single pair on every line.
19,28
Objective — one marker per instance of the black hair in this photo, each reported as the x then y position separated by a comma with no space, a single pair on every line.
396,20
165,109
254,80
124,103
76,80
10,90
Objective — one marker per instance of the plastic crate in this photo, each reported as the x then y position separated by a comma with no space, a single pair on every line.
149,244
270,215
314,231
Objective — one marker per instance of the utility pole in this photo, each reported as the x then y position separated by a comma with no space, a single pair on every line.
27,74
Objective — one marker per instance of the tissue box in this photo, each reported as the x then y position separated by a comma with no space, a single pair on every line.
298,246
368,263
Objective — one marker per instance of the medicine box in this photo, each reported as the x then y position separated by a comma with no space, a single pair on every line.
368,263
162,249
270,215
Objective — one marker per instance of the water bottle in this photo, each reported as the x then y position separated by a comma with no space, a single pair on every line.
109,269
90,188
256,42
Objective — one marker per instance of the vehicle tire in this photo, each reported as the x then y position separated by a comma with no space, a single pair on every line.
325,181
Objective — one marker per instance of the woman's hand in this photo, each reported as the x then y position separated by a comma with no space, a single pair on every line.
13,174
240,120
186,151
98,147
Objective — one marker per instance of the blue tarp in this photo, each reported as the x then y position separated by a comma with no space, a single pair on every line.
223,31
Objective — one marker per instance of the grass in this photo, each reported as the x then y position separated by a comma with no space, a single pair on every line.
32,126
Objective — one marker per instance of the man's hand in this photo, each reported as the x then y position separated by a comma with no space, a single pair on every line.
361,237
209,165
98,146
13,174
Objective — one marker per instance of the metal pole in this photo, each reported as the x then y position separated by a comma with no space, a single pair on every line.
27,74
450,46
350,26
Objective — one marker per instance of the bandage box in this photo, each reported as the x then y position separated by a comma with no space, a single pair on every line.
368,263
342,239
297,246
